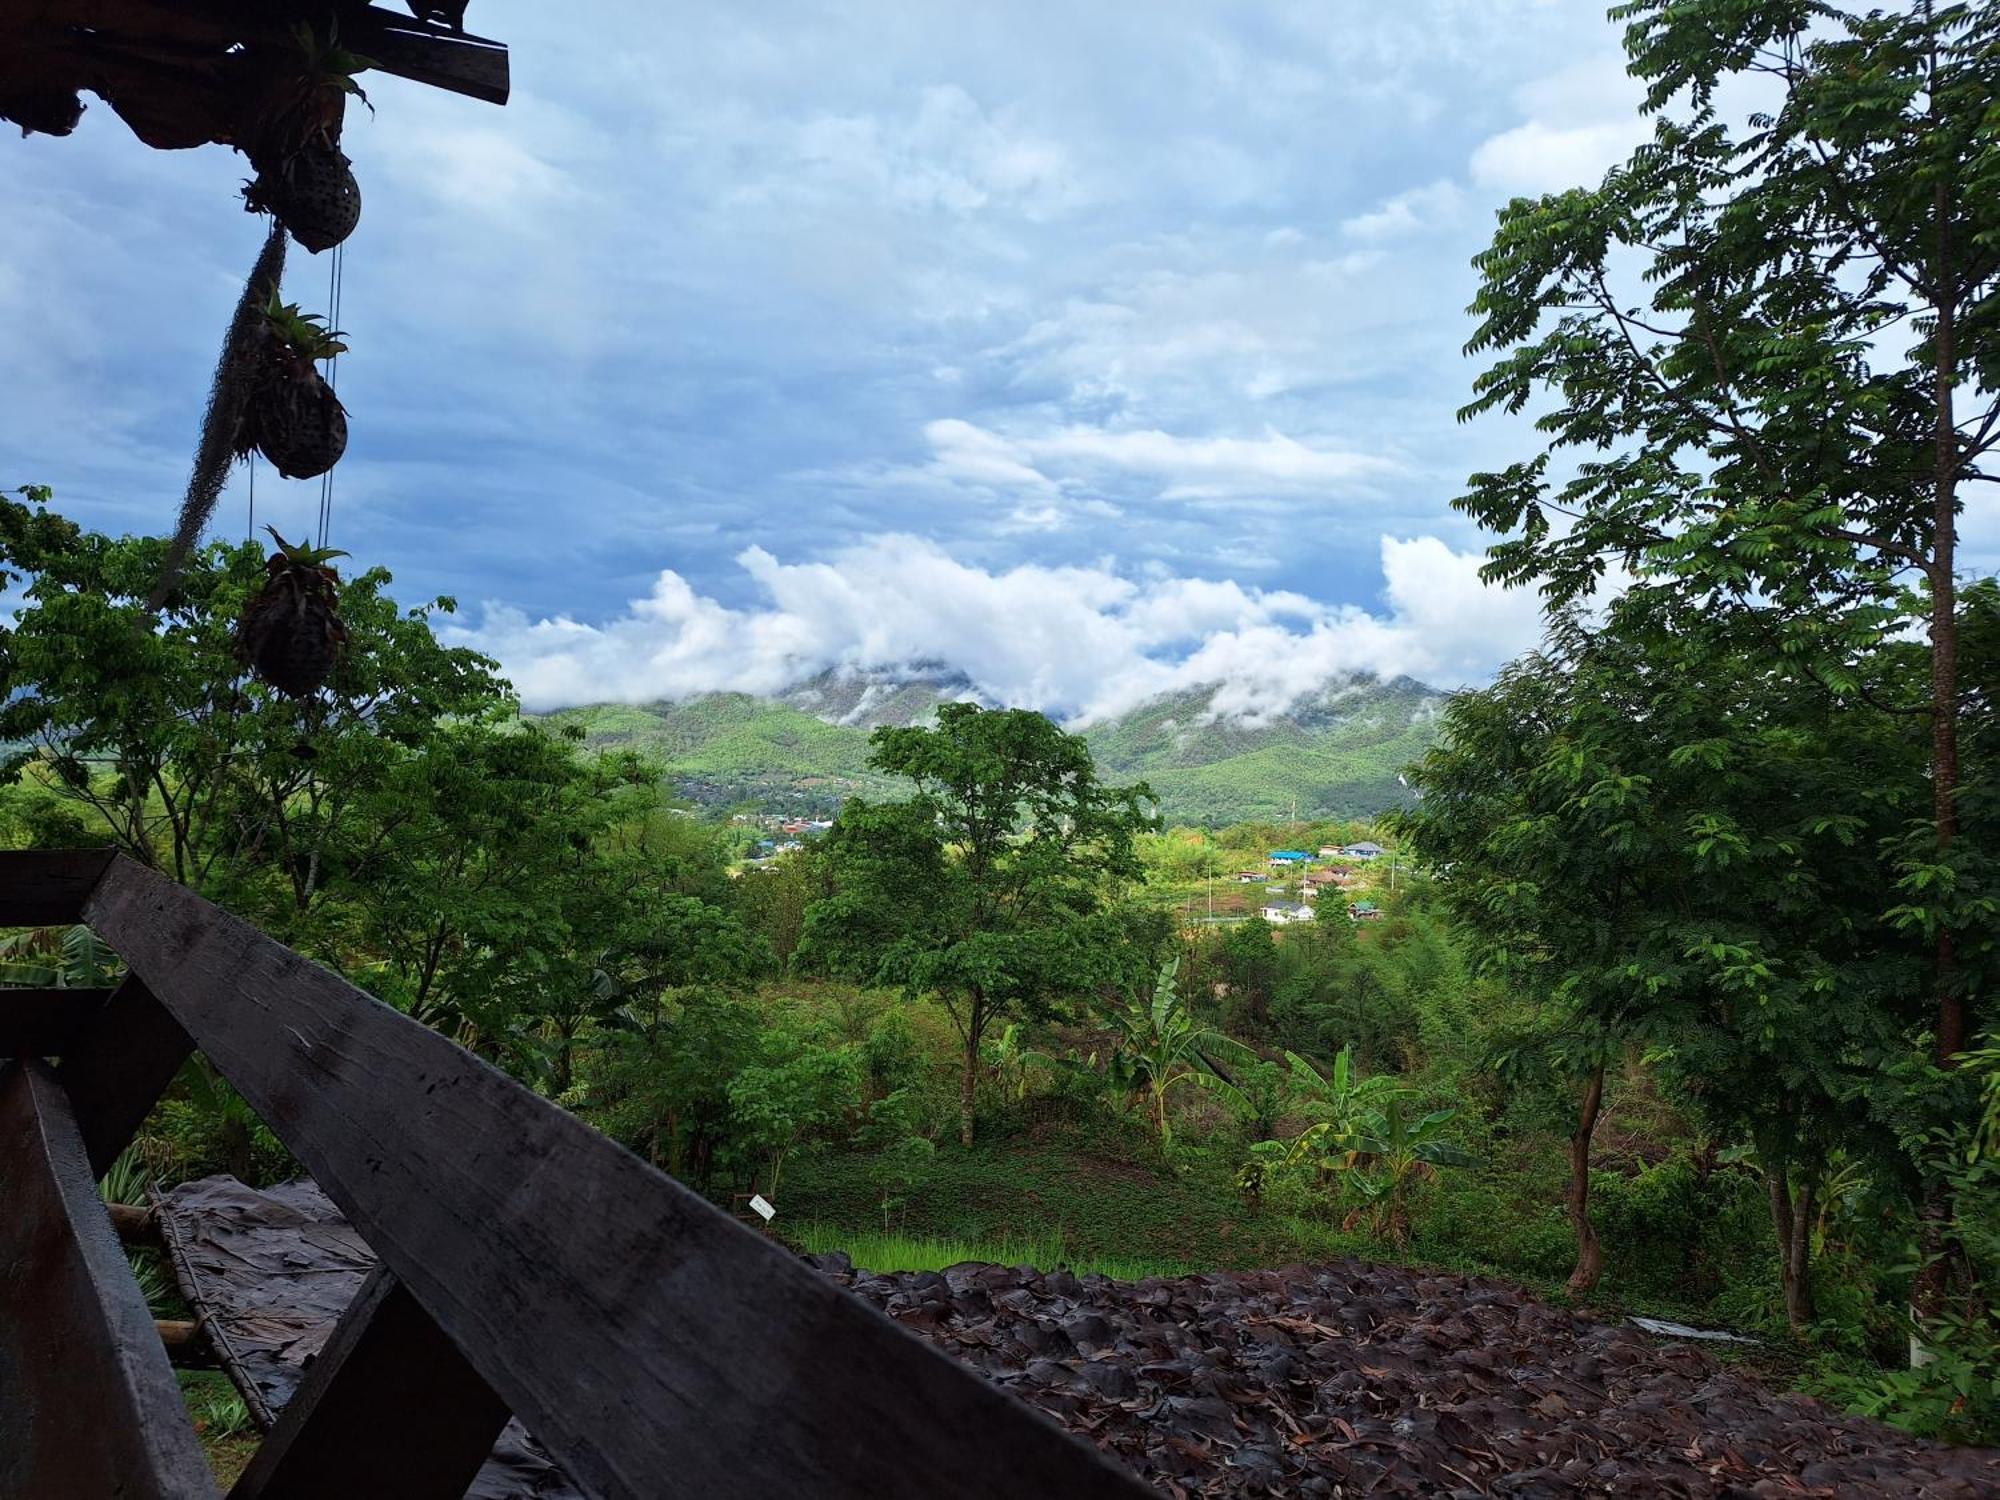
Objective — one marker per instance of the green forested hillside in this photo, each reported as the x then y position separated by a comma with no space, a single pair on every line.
729,748
1334,755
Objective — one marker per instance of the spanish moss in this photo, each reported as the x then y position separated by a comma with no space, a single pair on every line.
223,416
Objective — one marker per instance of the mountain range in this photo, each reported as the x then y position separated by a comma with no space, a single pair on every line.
1333,753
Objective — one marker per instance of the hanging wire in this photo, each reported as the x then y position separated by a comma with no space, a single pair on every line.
250,521
337,260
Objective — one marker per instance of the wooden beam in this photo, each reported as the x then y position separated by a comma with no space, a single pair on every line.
117,1069
132,1224
88,1403
47,887
388,1409
45,1023
640,1333
428,52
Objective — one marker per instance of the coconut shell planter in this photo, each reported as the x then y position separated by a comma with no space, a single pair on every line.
312,192
290,414
290,634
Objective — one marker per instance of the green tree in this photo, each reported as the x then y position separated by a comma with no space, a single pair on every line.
1775,352
1248,958
992,887
659,1077
1677,845
485,875
800,1085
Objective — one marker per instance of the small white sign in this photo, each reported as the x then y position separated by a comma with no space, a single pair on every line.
763,1208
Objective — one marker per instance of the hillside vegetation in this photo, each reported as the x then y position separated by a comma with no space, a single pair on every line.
1337,754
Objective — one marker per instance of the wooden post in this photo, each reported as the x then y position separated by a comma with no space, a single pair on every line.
121,1062
88,1403
388,1409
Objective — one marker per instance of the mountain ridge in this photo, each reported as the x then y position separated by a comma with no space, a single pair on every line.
1335,752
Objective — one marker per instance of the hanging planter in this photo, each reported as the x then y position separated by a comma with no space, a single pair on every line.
291,415
291,633
312,193
292,137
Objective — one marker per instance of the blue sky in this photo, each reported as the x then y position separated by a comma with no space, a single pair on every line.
1092,350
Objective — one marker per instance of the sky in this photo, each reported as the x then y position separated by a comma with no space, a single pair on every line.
1092,351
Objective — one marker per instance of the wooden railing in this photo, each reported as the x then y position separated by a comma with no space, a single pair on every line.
529,1265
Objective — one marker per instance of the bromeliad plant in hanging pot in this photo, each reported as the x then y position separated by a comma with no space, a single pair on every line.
290,633
291,415
292,137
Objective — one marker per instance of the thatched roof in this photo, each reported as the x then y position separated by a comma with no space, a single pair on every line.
187,72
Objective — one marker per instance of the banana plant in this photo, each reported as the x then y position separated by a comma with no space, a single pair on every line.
1340,1099
1391,1153
1366,1141
57,958
1162,1048
1013,1060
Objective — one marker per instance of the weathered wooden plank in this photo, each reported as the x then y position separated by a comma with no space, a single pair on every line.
88,1404
646,1338
47,887
388,1409
427,52
118,1068
45,1023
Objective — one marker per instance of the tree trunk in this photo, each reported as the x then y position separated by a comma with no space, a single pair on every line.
1589,1254
1928,1294
968,1087
565,1063
1792,1222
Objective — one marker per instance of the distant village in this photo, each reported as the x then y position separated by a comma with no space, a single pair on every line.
773,834
763,838
1317,873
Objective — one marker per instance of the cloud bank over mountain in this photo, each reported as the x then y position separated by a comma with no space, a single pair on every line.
1081,642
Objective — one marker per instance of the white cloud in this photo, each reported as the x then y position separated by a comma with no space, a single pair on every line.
1079,642
948,154
1202,468
1539,158
1045,469
1582,121
1408,212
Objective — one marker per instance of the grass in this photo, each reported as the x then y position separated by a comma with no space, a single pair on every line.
221,1420
876,1251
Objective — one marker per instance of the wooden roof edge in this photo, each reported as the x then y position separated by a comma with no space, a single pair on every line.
169,71
432,52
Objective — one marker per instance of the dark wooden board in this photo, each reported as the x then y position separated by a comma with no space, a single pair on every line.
388,1409
432,53
44,1023
119,1067
88,1403
650,1341
47,887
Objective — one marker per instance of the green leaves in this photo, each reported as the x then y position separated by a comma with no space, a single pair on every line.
307,336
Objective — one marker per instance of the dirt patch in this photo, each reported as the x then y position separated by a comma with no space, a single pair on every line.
1357,1379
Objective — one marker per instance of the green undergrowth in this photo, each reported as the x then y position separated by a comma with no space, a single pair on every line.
1097,1197
1083,1188
876,1251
